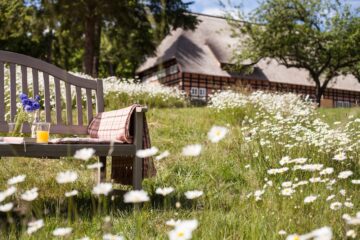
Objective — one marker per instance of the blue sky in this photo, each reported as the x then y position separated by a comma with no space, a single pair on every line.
213,7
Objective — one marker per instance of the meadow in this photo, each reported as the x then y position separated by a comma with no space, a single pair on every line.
283,167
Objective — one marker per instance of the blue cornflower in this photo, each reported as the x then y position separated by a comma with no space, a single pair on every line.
28,108
23,96
28,104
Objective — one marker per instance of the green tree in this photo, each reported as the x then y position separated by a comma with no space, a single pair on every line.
320,36
17,27
145,21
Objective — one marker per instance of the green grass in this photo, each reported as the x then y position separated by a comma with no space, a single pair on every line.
224,212
331,115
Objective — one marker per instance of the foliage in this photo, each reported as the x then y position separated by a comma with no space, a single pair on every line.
112,37
318,36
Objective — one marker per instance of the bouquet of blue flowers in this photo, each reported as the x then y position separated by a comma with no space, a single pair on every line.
28,113
30,105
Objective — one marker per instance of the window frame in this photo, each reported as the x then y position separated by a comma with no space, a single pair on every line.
194,89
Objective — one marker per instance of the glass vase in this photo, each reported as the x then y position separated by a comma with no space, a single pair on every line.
35,120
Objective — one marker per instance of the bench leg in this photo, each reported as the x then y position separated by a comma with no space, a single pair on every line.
137,173
102,170
138,140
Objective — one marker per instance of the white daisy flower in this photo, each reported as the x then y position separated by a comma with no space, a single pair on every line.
145,153
136,196
217,133
285,160
6,207
287,191
282,232
30,195
324,233
95,165
109,236
16,179
10,191
335,205
340,156
355,181
60,232
277,170
84,154
183,230
162,155
71,193
348,204
345,174
66,177
351,233
164,191
193,194
330,197
310,199
286,184
102,189
192,150
34,226
2,196
327,171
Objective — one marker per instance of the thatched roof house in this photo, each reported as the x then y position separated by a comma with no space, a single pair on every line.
196,61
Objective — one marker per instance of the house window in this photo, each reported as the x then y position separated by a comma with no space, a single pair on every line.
173,69
194,91
342,104
161,74
202,92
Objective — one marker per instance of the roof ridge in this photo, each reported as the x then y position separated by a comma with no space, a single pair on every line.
220,17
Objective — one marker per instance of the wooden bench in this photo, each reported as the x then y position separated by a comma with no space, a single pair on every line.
62,81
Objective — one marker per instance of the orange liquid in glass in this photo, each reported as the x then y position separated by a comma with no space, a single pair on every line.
42,136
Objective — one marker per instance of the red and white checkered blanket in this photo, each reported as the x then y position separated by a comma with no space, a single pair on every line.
115,126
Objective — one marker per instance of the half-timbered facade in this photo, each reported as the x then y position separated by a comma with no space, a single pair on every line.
197,62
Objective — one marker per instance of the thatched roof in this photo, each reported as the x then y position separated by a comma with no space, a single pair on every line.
204,50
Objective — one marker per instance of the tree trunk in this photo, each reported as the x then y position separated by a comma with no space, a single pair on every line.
89,44
97,44
318,91
92,45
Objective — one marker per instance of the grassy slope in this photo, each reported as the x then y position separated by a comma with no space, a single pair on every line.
224,212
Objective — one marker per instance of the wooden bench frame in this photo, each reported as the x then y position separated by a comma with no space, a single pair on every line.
57,75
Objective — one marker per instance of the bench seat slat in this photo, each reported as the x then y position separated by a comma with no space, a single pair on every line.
63,150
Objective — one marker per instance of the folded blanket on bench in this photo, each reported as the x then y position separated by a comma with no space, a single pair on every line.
115,126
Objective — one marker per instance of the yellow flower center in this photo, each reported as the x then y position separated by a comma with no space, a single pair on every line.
296,238
180,234
218,133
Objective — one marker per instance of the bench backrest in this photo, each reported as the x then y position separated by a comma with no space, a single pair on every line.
56,87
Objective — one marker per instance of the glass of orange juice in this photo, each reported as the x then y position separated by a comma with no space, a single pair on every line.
42,132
